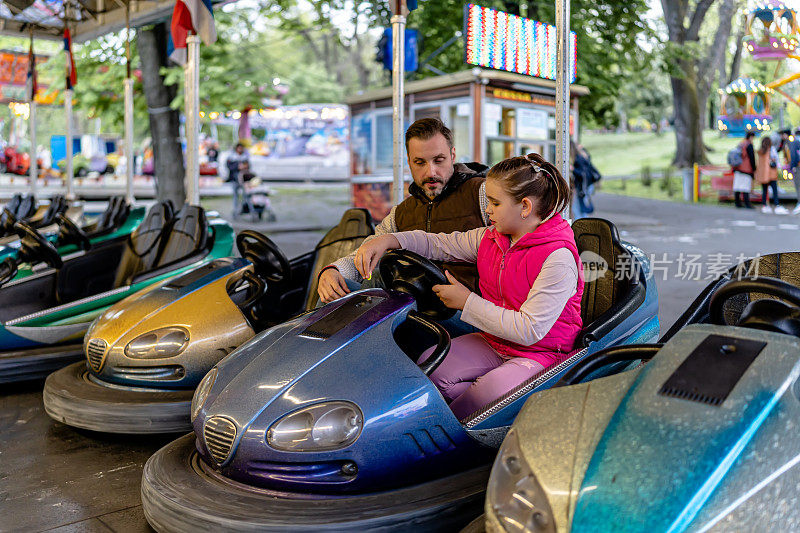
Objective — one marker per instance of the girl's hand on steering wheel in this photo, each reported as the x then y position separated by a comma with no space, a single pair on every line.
453,295
371,251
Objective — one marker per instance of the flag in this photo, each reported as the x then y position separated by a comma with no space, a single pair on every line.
72,76
191,16
31,84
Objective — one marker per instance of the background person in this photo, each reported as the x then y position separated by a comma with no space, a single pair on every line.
743,173
529,307
767,175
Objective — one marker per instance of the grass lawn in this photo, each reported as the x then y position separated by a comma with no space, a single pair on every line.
621,154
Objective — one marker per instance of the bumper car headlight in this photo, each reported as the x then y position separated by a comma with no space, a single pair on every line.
202,391
157,344
514,495
325,426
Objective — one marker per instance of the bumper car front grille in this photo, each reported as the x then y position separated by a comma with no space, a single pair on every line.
95,353
219,434
146,373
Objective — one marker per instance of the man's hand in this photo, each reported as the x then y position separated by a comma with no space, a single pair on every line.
331,285
371,251
454,295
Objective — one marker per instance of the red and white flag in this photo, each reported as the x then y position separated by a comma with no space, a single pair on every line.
72,75
194,16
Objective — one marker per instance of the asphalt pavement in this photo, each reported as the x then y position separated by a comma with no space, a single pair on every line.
56,478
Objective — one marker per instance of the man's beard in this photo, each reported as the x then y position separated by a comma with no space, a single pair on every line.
429,193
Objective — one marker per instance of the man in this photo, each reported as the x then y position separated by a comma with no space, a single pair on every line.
792,147
445,197
237,162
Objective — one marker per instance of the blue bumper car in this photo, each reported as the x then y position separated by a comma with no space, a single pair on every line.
327,422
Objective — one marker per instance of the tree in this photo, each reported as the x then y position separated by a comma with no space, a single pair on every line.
692,70
164,120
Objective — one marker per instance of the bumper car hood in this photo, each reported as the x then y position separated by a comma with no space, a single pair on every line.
260,371
137,308
678,450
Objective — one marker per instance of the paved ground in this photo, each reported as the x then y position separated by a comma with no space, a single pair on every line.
53,477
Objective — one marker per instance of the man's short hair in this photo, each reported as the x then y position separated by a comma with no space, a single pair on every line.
427,128
749,135
797,131
786,131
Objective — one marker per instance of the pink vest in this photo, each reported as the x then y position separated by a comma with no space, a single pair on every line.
507,274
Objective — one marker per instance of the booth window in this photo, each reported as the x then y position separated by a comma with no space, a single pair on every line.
459,124
383,150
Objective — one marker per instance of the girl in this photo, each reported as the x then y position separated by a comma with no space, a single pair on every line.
767,175
529,277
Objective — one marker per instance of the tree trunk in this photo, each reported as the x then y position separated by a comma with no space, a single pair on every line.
164,121
688,123
737,56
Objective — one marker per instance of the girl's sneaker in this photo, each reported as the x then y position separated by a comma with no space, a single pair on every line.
780,210
766,209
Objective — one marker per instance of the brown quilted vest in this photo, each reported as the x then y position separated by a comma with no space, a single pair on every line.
457,208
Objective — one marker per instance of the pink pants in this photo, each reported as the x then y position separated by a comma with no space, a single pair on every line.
473,374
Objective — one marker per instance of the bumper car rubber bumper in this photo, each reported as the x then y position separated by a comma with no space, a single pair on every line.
37,363
72,398
180,493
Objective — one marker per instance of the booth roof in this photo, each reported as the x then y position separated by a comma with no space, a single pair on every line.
519,81
89,19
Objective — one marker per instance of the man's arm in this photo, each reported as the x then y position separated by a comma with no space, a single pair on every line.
346,265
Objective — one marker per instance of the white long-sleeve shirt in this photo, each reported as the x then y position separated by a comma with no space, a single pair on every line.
554,286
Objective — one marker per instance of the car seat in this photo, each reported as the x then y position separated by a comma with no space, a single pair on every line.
784,266
613,295
355,226
143,247
185,237
57,206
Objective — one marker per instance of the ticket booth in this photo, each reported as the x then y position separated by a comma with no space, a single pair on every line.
493,115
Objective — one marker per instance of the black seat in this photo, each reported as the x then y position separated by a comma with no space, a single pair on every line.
355,226
57,206
26,208
186,237
188,234
784,266
143,247
610,298
109,219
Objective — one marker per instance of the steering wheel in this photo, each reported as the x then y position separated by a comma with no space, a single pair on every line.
268,260
764,314
70,233
405,271
34,247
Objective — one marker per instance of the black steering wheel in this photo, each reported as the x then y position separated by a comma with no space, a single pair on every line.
405,271
268,260
766,314
70,233
34,247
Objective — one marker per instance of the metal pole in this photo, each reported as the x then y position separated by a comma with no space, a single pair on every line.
398,104
129,157
68,112
192,110
129,141
34,167
563,76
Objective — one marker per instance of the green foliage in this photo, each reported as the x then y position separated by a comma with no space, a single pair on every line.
668,184
647,176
